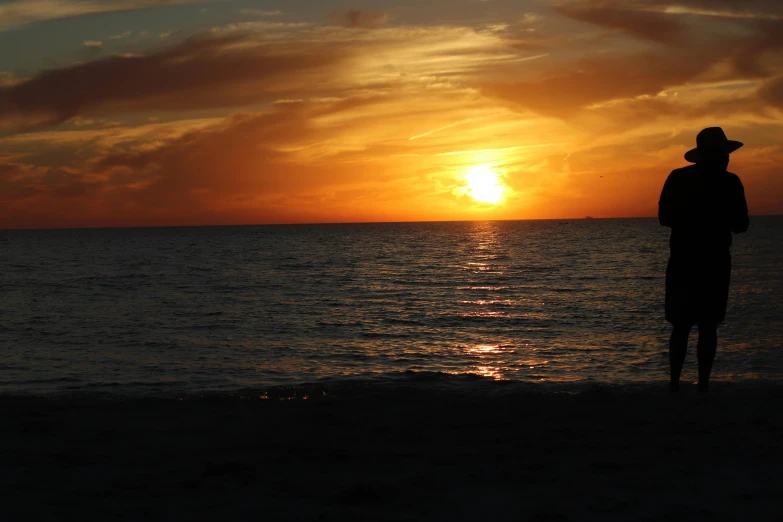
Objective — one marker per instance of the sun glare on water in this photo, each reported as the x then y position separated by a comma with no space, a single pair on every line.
485,185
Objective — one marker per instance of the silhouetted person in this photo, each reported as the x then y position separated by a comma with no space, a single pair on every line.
703,204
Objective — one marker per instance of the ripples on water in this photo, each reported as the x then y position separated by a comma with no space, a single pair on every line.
144,310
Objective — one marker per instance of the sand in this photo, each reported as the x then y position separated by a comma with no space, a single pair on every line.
386,453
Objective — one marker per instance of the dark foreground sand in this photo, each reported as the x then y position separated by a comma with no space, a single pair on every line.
397,454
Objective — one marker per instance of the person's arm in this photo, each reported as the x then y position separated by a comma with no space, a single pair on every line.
739,210
667,210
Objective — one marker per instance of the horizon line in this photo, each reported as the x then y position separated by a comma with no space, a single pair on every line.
589,218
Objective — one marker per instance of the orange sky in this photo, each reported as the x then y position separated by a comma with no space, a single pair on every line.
191,113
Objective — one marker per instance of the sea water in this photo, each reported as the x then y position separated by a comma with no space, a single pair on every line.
210,309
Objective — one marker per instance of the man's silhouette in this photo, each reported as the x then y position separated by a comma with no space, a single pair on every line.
703,204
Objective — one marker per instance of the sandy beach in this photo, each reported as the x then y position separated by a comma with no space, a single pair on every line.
385,453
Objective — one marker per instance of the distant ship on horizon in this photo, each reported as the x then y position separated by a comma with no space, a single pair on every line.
589,217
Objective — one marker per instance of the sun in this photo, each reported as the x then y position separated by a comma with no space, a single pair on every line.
484,185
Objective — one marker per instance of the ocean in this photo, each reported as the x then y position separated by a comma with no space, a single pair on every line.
551,304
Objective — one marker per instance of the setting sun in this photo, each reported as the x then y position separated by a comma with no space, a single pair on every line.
485,185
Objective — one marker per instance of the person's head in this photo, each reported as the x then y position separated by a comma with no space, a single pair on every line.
712,149
715,162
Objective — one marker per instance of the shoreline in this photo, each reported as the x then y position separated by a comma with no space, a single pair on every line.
422,382
391,454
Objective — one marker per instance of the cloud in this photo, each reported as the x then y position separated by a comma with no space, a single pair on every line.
359,18
682,23
771,91
704,55
754,55
282,30
747,9
650,25
9,80
121,36
530,19
246,168
231,69
22,12
22,186
599,79
729,9
21,181
260,12
201,72
93,44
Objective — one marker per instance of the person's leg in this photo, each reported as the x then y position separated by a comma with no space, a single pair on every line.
708,344
678,345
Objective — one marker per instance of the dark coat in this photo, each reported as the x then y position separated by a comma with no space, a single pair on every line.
702,205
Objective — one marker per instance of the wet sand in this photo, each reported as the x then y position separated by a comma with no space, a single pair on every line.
397,454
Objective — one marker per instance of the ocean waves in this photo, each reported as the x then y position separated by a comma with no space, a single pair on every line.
216,308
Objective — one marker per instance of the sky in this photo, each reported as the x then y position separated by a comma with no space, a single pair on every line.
180,112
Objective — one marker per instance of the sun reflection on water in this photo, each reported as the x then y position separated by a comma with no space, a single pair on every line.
484,349
487,351
506,362
488,371
483,314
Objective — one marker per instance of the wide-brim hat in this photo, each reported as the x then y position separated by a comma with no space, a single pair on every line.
710,143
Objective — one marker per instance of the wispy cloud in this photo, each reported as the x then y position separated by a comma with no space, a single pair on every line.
233,69
359,18
8,79
720,13
647,24
121,36
201,72
531,19
22,12
745,9
260,12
